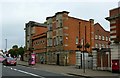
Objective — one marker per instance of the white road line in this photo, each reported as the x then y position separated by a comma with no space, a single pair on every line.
14,69
30,73
25,72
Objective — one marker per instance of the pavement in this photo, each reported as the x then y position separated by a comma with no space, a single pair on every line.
71,70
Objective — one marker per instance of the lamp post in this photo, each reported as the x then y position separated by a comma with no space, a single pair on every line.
83,57
5,45
84,43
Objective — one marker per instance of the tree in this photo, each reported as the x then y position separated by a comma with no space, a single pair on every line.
87,45
12,52
15,47
21,51
45,22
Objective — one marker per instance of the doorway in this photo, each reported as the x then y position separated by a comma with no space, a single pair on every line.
58,62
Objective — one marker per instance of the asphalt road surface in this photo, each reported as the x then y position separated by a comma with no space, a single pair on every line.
27,72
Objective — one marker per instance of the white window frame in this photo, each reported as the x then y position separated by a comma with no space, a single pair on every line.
77,40
96,37
99,37
103,38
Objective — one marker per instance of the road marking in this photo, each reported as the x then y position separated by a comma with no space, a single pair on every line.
25,72
14,69
30,73
4,66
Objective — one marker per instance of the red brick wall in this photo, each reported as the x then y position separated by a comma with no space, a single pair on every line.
39,39
39,30
72,58
113,13
99,31
73,31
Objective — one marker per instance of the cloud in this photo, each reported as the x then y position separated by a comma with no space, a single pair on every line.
16,13
59,1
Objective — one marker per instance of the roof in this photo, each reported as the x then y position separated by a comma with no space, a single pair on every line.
33,23
79,19
115,8
57,14
96,24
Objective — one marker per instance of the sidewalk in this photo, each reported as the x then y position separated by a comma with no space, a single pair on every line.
70,70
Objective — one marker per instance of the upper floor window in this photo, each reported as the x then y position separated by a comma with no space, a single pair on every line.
96,45
103,38
96,37
99,37
57,40
60,22
112,27
77,41
106,38
50,26
61,39
49,42
109,39
112,22
114,31
103,46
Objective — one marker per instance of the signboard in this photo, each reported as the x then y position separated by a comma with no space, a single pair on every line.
32,59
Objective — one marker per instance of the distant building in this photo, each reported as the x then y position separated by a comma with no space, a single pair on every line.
64,34
102,44
102,37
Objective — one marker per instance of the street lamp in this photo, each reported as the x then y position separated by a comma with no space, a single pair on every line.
5,45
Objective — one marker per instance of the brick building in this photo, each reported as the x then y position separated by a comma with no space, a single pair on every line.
39,42
102,44
114,19
102,37
63,36
34,31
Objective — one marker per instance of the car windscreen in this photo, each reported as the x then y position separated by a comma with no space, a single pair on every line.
10,58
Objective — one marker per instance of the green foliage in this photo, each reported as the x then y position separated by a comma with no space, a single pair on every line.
15,47
45,22
15,51
87,45
21,51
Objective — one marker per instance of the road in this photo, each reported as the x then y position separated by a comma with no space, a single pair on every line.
28,72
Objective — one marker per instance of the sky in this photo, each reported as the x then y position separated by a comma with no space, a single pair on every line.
15,13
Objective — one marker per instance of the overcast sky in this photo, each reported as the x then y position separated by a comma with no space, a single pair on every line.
15,13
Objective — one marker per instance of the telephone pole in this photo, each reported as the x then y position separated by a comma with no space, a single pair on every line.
5,45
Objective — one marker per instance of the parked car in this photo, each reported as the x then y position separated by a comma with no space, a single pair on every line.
9,61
